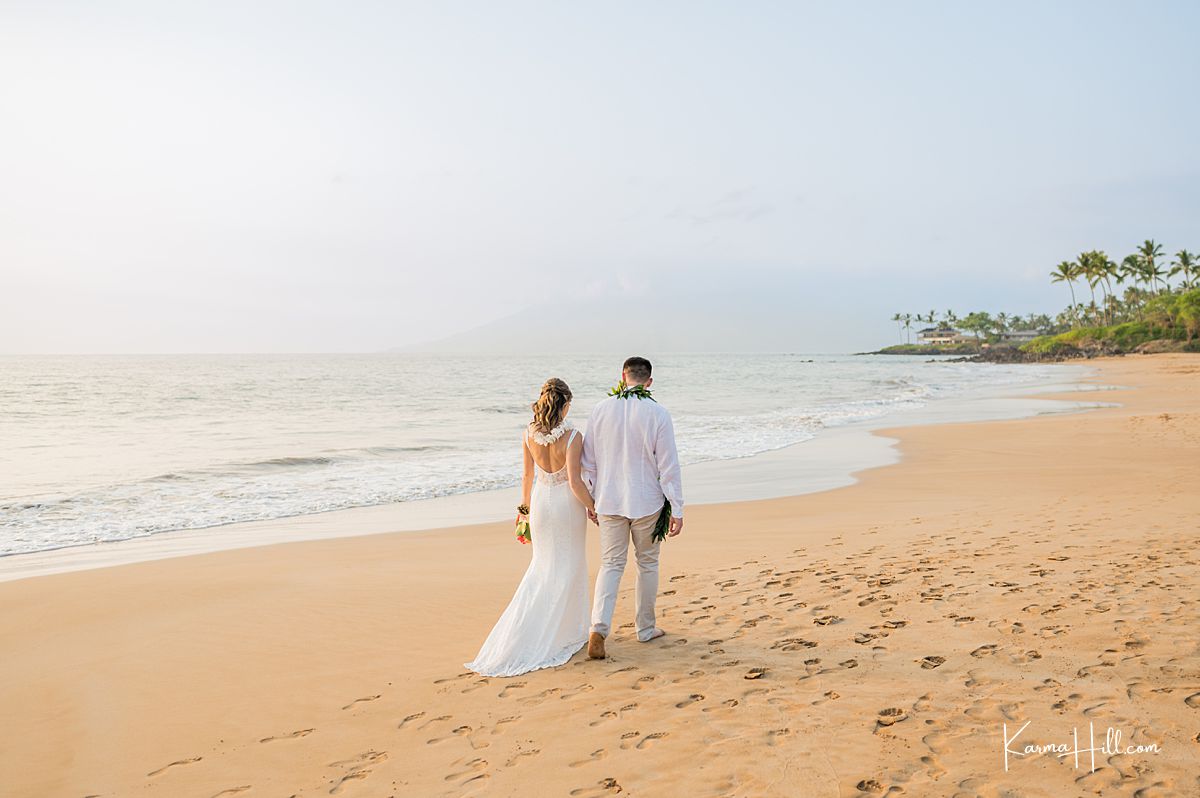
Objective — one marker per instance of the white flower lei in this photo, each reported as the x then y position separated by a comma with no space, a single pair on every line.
547,438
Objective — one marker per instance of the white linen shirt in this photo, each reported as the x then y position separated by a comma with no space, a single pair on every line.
630,462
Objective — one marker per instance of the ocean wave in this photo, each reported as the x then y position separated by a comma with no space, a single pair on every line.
288,462
720,413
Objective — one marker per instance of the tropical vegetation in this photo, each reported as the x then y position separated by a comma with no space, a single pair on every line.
1115,307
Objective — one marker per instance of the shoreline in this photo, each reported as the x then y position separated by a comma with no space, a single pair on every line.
1040,569
831,459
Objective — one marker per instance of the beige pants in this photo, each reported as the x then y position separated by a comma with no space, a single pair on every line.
615,533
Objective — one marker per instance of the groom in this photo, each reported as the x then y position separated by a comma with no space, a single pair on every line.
630,464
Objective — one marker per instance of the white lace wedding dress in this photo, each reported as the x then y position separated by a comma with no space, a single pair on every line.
547,620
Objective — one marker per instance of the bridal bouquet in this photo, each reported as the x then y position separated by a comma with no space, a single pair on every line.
523,535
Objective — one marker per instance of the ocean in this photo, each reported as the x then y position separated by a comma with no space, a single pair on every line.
107,448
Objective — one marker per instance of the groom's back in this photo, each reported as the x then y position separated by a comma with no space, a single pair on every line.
622,452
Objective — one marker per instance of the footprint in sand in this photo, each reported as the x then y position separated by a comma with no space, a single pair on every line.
291,736
604,716
1193,701
985,650
827,620
508,688
643,683
474,772
891,716
729,703
755,673
775,734
461,731
363,760
793,644
649,739
627,739
176,763
232,791
431,721
594,756
693,698
476,685
500,724
459,677
603,787
520,755
362,701
574,691
869,785
931,662
359,768
413,717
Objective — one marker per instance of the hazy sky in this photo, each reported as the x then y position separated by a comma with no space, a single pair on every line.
352,176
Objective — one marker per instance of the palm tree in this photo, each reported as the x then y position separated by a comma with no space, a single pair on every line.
1085,268
907,319
896,317
1158,273
950,317
1066,272
1131,269
1002,320
1107,270
1148,251
1185,264
1099,271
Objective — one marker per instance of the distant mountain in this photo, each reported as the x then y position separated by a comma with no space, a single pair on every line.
764,324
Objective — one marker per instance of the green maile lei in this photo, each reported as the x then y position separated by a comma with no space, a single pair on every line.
623,391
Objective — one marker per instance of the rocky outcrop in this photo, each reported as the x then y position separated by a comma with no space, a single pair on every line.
1161,345
1012,354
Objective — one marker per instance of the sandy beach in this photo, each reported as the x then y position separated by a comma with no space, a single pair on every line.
874,639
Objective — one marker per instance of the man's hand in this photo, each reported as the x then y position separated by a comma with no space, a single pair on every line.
676,527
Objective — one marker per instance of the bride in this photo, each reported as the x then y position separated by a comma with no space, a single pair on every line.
547,620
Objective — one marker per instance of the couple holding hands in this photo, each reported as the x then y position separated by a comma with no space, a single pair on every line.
623,475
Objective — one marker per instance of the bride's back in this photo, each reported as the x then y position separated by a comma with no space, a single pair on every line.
553,456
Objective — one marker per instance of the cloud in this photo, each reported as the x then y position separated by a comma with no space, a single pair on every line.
736,205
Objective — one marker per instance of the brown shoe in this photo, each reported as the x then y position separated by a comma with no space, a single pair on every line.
596,646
